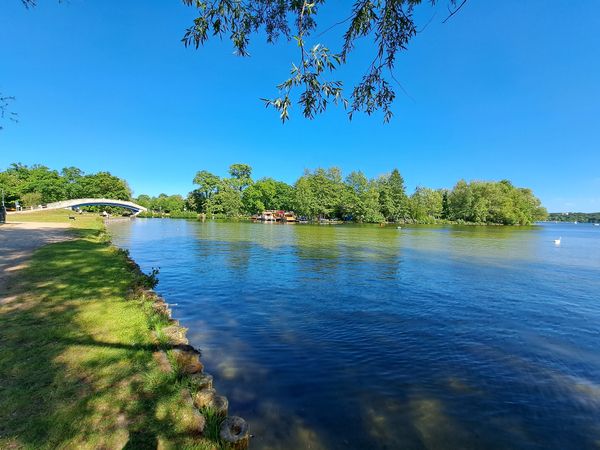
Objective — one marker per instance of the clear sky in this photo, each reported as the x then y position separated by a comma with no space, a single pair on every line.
505,89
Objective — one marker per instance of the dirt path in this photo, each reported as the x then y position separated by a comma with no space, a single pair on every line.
17,243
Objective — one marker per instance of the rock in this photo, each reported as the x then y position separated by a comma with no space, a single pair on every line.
201,381
208,398
204,398
234,430
190,419
160,307
175,335
221,405
187,359
163,362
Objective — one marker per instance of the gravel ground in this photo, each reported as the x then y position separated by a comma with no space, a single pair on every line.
18,241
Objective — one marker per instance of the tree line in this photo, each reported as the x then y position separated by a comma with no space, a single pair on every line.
316,195
37,184
327,194
575,217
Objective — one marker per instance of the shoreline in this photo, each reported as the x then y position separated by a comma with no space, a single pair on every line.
176,354
89,305
439,222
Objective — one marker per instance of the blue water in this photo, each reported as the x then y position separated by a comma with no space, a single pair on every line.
338,337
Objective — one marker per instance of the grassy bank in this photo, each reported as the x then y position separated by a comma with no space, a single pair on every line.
78,365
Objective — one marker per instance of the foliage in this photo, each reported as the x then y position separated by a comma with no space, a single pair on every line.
361,201
494,202
162,203
227,200
426,205
392,197
24,183
171,215
241,176
389,25
575,217
325,194
207,187
31,199
267,194
319,194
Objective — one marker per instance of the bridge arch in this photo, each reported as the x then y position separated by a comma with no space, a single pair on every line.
78,202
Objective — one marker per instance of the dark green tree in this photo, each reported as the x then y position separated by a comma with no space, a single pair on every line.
207,187
392,197
361,201
267,194
320,194
241,175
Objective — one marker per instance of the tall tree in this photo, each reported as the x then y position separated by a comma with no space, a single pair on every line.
426,205
319,194
207,187
392,197
104,185
241,175
72,177
226,201
362,199
267,194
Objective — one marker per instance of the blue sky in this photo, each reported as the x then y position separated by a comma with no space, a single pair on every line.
505,89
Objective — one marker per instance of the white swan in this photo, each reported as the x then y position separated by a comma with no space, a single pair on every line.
557,241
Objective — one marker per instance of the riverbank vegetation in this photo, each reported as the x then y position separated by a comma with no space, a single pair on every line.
575,217
77,357
37,184
318,194
327,194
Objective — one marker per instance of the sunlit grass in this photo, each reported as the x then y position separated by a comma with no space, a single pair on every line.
85,220
76,354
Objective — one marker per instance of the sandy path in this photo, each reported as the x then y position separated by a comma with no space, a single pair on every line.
18,241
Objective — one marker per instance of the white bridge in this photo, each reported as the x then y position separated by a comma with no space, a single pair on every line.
78,202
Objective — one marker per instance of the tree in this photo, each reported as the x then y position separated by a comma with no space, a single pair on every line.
319,194
362,199
207,186
426,205
48,183
389,24
267,194
31,199
72,177
144,200
241,175
226,201
11,185
104,185
167,203
392,197
494,202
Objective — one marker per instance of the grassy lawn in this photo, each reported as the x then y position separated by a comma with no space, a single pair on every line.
76,354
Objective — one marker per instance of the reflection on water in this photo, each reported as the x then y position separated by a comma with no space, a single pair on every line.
334,337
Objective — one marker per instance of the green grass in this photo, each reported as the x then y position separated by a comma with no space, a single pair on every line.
76,354
86,220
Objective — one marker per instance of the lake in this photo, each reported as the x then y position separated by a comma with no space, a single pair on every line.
362,337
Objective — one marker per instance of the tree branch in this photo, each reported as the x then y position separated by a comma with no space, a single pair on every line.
455,11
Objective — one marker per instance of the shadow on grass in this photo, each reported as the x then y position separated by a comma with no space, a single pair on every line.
76,365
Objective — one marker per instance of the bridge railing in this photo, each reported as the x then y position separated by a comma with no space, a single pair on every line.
88,202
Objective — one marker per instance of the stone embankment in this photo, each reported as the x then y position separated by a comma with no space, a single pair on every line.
174,353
